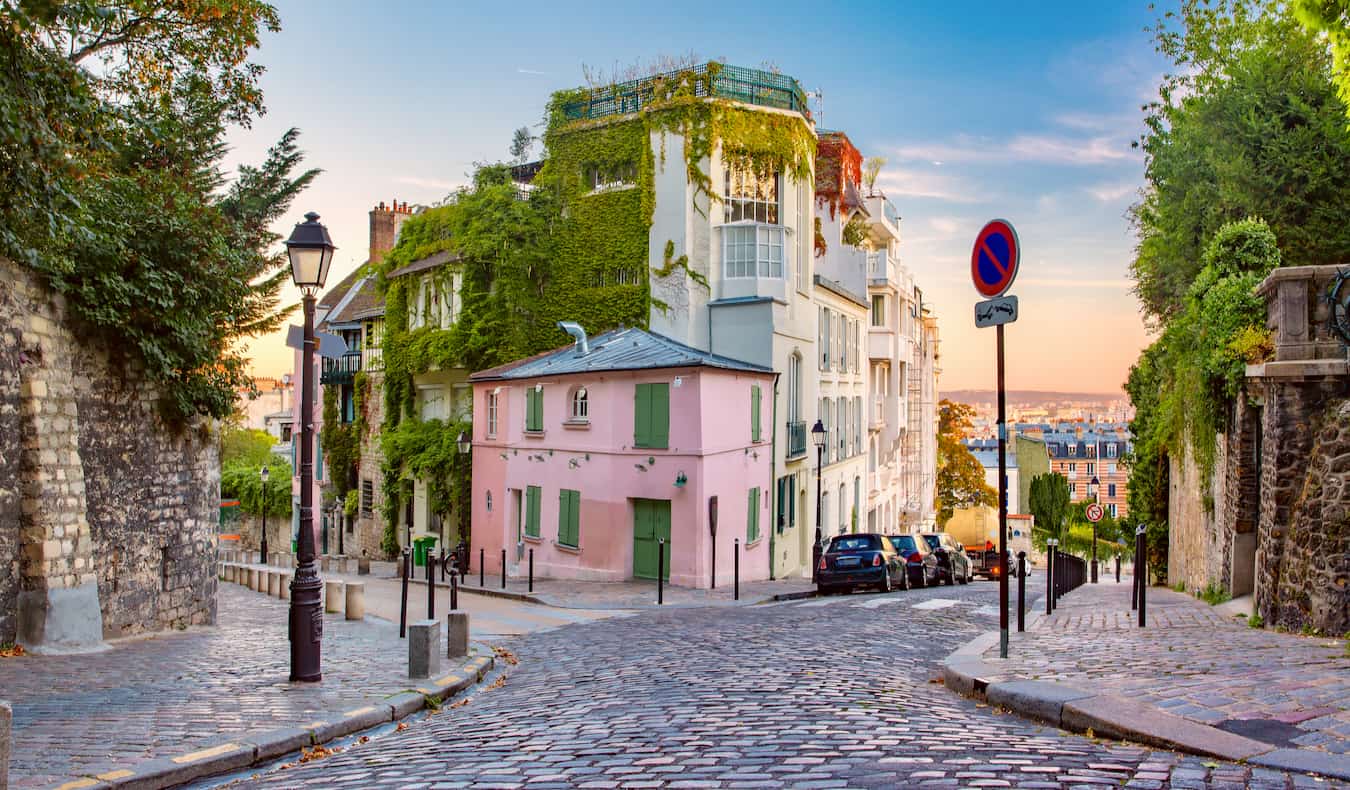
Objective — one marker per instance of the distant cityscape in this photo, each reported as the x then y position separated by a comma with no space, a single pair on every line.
1084,437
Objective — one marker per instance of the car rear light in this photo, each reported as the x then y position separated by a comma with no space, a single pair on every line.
876,560
822,564
913,556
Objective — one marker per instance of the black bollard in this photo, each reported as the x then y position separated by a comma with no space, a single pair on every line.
1021,591
736,572
531,570
431,586
443,563
1143,576
1049,579
503,569
454,589
660,571
481,563
403,598
1117,569
1134,581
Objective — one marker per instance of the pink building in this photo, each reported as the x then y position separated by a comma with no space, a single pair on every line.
590,453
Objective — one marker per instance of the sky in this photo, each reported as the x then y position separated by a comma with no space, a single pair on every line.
1019,111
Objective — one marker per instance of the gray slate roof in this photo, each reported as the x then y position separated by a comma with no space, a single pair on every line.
617,349
422,264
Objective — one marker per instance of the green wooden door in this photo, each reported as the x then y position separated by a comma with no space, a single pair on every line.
651,520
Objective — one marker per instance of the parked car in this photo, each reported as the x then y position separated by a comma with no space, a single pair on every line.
953,564
920,562
860,560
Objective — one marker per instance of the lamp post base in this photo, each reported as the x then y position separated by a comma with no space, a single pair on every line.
306,624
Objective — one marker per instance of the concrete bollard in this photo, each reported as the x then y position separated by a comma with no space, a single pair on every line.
457,634
260,580
274,583
248,578
424,642
6,717
325,564
363,567
332,597
356,600
285,592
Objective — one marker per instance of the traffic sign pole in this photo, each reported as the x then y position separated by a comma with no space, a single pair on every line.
1002,506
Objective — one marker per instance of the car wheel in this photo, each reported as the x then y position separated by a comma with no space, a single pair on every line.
904,579
965,577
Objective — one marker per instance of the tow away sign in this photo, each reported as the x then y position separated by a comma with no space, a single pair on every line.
993,312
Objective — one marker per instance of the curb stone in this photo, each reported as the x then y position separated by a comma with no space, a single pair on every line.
252,748
492,592
1077,710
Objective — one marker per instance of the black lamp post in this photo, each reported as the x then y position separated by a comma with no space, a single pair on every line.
311,252
818,439
1095,491
262,549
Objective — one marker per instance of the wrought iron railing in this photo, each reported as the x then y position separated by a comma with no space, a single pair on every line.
796,445
752,86
341,370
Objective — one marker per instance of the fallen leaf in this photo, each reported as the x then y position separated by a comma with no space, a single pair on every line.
403,725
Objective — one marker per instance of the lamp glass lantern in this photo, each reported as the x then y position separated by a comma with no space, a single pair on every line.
463,443
1093,485
264,475
818,434
311,253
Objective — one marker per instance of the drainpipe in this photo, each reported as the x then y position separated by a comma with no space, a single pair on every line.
773,477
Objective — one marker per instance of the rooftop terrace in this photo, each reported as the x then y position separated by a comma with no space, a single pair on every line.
751,86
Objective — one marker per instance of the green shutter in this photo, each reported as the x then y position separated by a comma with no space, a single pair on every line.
651,415
532,511
318,457
660,415
534,410
569,517
752,517
754,413
642,416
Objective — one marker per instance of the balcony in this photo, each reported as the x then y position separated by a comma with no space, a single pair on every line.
884,213
796,439
341,370
751,86
881,344
882,269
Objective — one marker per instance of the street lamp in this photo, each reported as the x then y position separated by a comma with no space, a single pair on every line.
1095,491
262,549
463,443
818,439
311,253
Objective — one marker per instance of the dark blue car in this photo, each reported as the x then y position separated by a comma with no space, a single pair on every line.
861,560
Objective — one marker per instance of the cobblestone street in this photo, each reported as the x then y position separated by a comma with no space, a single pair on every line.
145,697
829,692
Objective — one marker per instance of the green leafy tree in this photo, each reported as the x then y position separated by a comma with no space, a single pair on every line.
242,481
960,476
522,143
245,446
1248,124
1331,17
1049,503
113,138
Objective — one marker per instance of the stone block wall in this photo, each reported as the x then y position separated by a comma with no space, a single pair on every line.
1303,577
107,514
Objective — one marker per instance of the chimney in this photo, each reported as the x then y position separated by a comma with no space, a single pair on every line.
574,329
385,221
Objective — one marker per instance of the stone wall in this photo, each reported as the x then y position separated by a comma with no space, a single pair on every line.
1304,535
107,514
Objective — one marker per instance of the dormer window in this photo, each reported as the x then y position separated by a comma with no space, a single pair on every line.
580,405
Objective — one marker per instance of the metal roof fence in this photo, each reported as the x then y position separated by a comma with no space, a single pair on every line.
751,86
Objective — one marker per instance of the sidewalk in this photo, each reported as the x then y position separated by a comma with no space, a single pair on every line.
567,594
167,708
1193,679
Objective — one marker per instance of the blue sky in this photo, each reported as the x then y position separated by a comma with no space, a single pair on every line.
982,109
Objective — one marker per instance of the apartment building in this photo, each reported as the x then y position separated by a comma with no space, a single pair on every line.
1084,452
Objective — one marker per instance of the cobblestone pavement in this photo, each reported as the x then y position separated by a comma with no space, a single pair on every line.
640,594
1194,662
148,696
834,692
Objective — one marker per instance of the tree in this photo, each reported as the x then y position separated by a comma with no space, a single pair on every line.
1049,503
115,115
245,446
1331,17
960,477
1249,124
871,169
522,143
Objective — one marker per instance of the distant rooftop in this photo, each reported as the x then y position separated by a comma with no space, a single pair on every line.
751,86
617,349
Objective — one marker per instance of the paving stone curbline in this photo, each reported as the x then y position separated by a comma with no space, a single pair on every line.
1115,717
1333,765
1034,698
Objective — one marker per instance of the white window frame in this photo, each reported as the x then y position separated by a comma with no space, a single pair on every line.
1111,450
492,413
826,320
746,192
580,407
794,388
760,241
878,310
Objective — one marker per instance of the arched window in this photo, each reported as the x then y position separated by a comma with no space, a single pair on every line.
580,405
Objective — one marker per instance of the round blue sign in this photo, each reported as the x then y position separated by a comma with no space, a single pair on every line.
993,261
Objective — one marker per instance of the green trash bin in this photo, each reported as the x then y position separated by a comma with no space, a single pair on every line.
421,546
